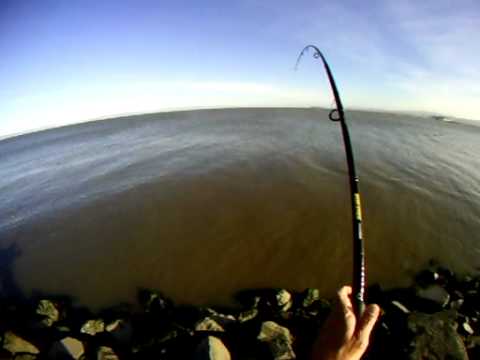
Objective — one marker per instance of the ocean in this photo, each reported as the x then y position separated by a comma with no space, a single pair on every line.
200,204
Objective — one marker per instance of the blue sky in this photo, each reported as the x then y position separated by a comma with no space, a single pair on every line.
68,61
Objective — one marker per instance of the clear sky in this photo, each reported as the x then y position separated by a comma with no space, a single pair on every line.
68,61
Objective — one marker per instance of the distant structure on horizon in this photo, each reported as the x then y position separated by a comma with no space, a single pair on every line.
440,118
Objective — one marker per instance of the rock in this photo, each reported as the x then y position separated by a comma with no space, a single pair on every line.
172,334
114,325
25,357
48,311
250,298
472,342
446,275
284,300
279,340
93,327
121,331
312,306
426,278
398,305
106,353
247,315
456,304
222,319
310,296
66,348
15,344
467,328
208,324
153,301
435,337
212,348
64,329
436,294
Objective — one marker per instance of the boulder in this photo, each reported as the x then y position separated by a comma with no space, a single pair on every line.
66,348
93,327
400,307
48,311
467,329
222,319
121,331
278,339
106,353
247,315
15,344
310,296
283,300
24,357
434,336
212,348
153,301
456,304
436,294
208,324
427,277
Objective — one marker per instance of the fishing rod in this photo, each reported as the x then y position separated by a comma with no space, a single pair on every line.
338,115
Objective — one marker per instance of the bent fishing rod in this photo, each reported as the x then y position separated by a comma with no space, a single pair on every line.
338,115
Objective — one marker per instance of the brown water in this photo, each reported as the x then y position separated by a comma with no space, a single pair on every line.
202,203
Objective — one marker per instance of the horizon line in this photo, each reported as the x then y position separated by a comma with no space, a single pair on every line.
417,113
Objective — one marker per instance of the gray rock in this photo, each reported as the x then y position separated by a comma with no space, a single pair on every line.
398,305
247,315
436,294
279,340
15,344
222,319
456,304
64,329
212,348
427,277
467,328
435,337
106,353
472,342
311,295
208,324
93,327
284,300
25,357
172,334
153,301
114,325
66,348
121,331
48,311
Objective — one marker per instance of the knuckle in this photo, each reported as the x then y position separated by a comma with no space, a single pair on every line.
361,342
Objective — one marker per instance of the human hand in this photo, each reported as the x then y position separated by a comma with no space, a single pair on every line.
342,336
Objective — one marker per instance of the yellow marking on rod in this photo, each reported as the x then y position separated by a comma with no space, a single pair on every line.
358,207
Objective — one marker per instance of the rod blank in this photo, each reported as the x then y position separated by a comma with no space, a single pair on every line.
338,115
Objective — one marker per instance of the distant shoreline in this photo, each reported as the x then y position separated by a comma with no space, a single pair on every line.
414,114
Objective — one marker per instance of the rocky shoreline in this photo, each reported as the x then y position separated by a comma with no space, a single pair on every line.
438,317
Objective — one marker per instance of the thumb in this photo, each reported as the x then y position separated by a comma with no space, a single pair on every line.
366,323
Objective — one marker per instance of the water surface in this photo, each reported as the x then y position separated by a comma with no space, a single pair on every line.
202,203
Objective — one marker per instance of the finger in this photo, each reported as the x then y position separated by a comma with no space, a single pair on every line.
346,309
345,289
344,299
366,324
